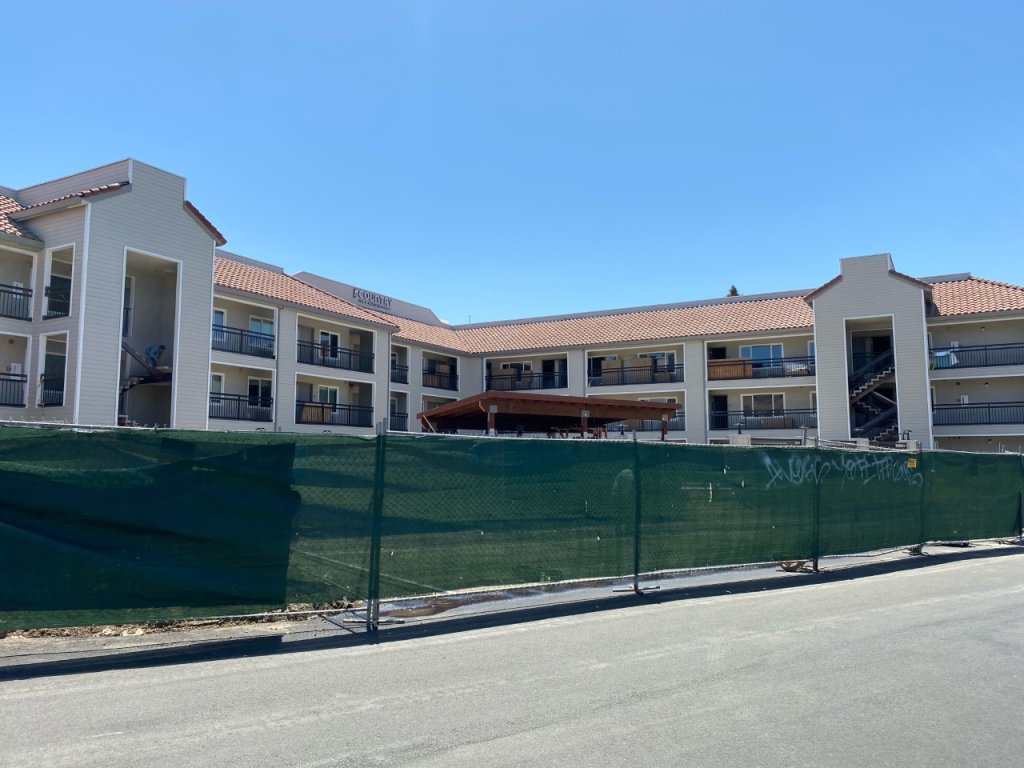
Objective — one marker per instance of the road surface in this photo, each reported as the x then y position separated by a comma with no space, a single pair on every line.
913,668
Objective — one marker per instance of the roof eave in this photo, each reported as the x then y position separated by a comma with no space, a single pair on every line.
205,223
47,208
30,242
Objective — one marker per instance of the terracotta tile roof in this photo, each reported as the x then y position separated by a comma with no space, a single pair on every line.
755,314
424,334
642,325
9,205
249,278
974,295
91,192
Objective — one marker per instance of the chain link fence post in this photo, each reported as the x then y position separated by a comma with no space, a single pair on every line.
376,523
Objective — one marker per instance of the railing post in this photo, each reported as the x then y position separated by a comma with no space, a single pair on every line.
376,524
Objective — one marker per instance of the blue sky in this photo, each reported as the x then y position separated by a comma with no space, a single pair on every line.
509,159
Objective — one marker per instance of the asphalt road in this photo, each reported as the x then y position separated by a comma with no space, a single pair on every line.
914,668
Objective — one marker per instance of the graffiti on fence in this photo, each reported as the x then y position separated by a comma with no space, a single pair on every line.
856,468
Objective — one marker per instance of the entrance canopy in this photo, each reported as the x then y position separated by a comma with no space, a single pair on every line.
531,412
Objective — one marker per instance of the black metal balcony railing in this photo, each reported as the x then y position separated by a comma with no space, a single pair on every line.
510,382
51,390
312,353
241,407
677,422
58,301
398,421
440,380
780,367
641,374
15,302
12,388
399,373
333,415
770,419
976,357
980,413
242,342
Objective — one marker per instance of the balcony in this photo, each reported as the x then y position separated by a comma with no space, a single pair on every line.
12,389
776,419
331,414
242,342
440,380
976,357
981,413
241,407
399,422
15,302
776,368
677,422
399,373
312,353
520,381
641,374
51,390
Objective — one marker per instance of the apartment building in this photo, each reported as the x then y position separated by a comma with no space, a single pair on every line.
99,267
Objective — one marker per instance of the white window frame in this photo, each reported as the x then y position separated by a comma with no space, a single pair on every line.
261,380
218,332
774,411
321,388
526,366
42,364
218,389
332,345
771,346
48,274
262,322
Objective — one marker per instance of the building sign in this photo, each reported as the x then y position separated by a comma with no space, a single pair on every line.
371,300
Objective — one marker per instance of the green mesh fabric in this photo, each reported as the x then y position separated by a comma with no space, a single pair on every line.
132,526
462,513
113,526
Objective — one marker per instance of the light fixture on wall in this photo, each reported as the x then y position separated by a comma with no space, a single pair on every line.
983,329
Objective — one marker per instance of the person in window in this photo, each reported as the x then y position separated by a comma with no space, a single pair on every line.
153,353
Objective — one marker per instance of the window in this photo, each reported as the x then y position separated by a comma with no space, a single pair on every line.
329,344
260,391
59,267
216,386
219,321
261,325
814,399
51,381
524,367
764,405
761,352
810,349
327,395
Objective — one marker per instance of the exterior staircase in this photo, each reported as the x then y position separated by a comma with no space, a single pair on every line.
880,413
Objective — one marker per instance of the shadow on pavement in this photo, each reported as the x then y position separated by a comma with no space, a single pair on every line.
348,637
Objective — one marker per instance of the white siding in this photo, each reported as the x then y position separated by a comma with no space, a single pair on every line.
150,219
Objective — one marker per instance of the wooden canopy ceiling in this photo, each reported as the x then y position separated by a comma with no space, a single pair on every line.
511,411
